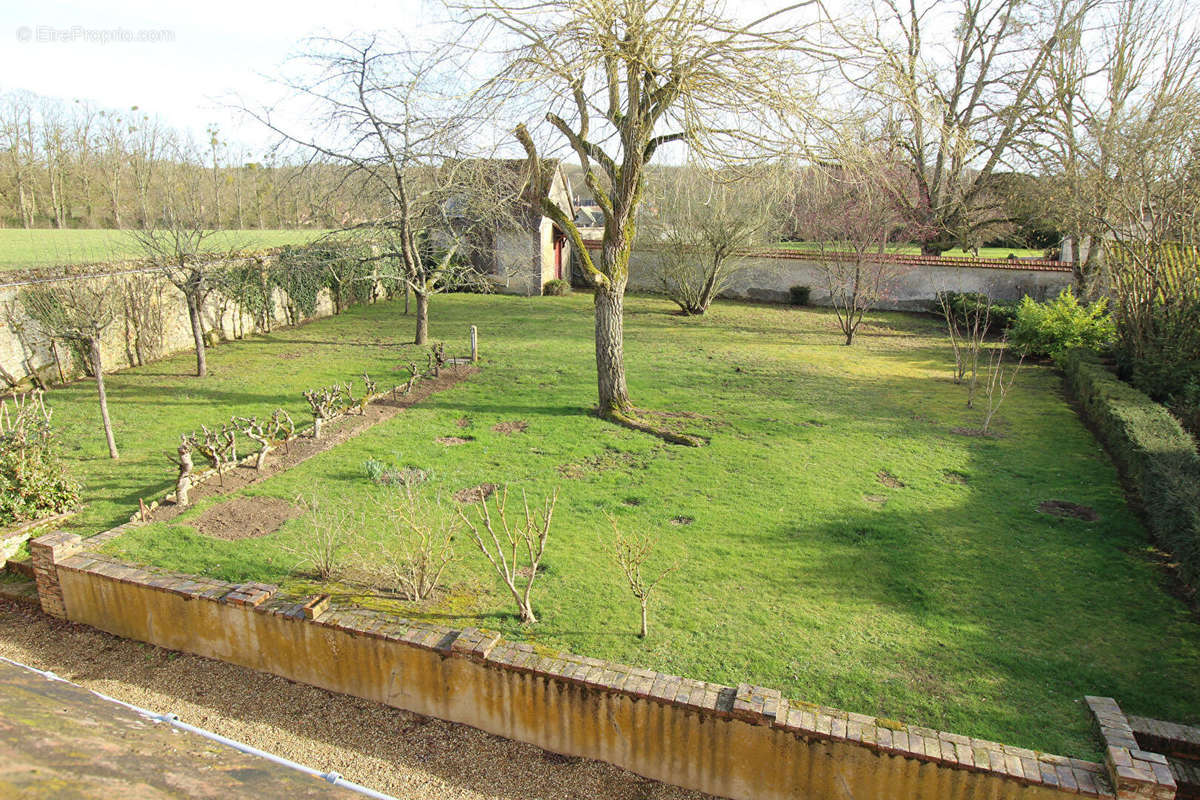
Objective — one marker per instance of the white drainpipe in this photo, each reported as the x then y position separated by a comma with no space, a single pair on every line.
174,721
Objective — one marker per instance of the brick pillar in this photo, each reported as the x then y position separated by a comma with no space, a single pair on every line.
1136,774
45,553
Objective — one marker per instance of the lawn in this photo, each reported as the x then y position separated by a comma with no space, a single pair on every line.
42,247
947,601
912,250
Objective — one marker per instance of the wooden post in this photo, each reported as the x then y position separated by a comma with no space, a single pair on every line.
474,345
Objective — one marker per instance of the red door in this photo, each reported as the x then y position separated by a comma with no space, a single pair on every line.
558,253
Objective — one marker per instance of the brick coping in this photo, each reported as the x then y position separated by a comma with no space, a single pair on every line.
754,705
1033,264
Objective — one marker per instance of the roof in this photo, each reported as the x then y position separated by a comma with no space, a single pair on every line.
58,739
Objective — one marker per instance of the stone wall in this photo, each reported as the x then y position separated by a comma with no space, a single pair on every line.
767,276
24,349
732,741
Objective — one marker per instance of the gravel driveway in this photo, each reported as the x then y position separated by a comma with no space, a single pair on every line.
392,751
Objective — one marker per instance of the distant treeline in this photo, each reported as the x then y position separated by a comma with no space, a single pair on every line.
72,165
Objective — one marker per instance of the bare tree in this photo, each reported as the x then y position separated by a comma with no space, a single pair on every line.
848,217
1123,95
419,545
516,542
80,312
186,252
393,117
998,383
630,553
331,531
952,84
625,78
967,323
703,220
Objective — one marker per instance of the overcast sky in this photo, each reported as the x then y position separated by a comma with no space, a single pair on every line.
192,56
182,61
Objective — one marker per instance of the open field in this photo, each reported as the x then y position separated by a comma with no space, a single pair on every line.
42,247
836,539
912,249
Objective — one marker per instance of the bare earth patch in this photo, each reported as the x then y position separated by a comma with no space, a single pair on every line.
889,480
682,519
245,518
451,441
463,422
605,461
1067,510
878,499
951,476
476,494
509,428
335,432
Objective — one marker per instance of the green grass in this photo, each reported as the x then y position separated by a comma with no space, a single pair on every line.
951,605
912,249
41,247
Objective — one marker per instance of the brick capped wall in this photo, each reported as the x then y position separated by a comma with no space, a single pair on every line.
739,741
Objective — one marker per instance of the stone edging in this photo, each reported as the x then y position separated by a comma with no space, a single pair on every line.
751,704
1135,772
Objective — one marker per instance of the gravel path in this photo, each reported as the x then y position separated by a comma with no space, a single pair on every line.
392,751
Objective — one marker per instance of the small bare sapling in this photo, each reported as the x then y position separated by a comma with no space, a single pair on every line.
998,383
630,552
966,337
514,543
331,531
418,545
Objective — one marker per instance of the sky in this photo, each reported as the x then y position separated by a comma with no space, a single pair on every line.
182,61
186,62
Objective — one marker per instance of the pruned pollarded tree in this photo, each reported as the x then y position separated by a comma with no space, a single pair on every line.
624,78
80,311
394,116
953,84
848,215
704,218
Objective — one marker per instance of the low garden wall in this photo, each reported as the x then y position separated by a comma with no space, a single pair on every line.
738,742
25,351
1155,455
767,276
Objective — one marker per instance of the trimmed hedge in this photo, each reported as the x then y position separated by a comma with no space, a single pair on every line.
1155,454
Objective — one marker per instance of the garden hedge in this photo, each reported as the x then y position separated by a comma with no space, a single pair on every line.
1157,457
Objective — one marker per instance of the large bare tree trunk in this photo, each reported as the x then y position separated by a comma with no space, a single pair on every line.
422,336
610,350
197,335
98,368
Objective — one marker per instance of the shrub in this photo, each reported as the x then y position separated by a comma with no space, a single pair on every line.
800,295
386,474
963,306
1154,453
1047,329
556,287
33,479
